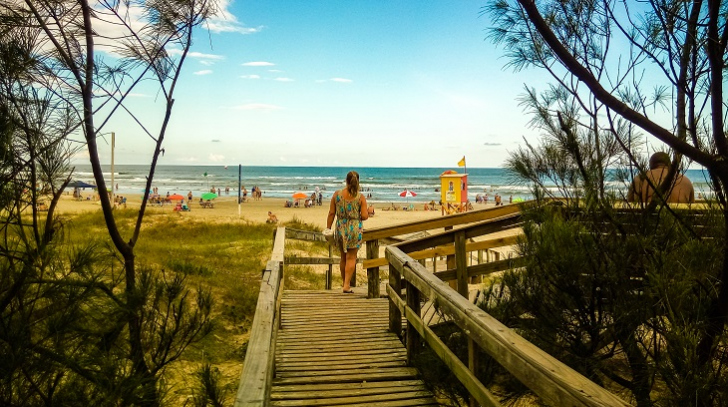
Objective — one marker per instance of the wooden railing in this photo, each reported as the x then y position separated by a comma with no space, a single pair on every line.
547,377
482,221
505,216
259,365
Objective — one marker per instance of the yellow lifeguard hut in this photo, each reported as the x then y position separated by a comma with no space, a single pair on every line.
453,191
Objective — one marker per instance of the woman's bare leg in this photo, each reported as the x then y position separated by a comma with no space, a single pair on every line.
350,266
342,267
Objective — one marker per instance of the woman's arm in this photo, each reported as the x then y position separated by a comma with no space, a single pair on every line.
332,212
364,209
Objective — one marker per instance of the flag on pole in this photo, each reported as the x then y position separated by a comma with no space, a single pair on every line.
461,163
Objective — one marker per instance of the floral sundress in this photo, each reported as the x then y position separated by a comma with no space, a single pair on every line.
347,233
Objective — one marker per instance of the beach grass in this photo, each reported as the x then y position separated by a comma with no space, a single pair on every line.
225,257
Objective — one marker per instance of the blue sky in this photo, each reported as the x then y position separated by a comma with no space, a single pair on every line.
319,83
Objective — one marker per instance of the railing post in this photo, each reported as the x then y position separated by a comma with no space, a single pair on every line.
373,272
450,264
461,264
395,315
413,337
473,364
329,272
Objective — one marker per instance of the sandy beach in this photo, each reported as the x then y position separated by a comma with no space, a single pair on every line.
226,210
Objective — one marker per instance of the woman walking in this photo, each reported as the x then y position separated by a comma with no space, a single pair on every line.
349,207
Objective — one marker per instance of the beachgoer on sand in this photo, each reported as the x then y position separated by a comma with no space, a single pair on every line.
272,218
643,186
349,207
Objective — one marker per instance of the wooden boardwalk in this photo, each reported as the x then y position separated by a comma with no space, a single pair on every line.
335,349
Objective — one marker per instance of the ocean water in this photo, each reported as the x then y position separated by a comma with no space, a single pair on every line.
384,184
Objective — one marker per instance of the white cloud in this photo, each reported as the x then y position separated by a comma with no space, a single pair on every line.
275,70
257,106
250,76
341,80
203,72
258,63
192,54
188,159
225,21
206,62
216,157
282,159
284,79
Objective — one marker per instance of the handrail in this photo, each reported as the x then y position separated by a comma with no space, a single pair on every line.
549,378
259,366
437,223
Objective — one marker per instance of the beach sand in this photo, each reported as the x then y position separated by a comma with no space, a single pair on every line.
226,210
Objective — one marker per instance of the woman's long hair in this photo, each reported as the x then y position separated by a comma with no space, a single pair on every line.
352,183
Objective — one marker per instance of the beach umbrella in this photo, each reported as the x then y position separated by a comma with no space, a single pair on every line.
407,194
208,195
300,195
80,184
176,197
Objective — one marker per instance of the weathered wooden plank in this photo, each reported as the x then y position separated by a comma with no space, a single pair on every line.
293,319
353,377
552,380
339,339
342,361
499,224
352,326
367,399
327,331
485,268
399,403
310,369
335,324
450,249
346,392
335,336
338,345
315,260
331,308
467,378
257,373
310,356
308,235
352,386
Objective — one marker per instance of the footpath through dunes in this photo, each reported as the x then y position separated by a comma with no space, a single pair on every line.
335,349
